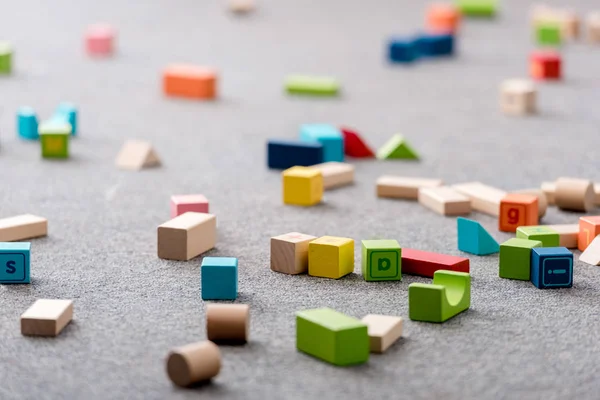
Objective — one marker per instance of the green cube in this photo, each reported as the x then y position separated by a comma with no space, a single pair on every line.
381,260
548,34
332,336
5,58
312,85
515,258
54,138
477,8
548,236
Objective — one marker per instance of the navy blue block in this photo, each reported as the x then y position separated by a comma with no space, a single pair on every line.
435,44
284,154
551,267
402,50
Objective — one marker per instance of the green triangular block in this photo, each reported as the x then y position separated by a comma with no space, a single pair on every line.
397,147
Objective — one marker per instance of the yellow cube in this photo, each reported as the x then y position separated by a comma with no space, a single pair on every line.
331,257
302,186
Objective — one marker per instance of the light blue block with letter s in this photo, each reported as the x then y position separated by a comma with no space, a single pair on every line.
14,262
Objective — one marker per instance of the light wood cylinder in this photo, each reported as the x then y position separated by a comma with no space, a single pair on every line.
193,363
542,200
574,194
227,322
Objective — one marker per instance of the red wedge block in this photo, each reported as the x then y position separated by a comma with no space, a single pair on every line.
424,263
354,146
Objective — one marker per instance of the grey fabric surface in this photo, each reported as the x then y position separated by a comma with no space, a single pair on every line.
516,341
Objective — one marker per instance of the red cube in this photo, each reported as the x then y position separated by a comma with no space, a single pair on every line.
545,65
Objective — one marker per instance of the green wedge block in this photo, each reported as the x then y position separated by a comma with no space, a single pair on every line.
312,85
397,148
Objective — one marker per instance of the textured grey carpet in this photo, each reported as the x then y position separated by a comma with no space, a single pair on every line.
130,307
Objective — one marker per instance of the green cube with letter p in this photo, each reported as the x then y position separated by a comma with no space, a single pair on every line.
381,260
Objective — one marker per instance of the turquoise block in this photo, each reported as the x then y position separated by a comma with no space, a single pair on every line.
474,239
27,123
219,278
14,262
329,136
67,112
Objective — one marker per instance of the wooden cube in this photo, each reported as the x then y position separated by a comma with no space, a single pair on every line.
384,331
518,210
518,97
302,186
187,236
190,81
444,200
331,257
289,253
46,317
589,228
336,174
545,65
593,27
188,202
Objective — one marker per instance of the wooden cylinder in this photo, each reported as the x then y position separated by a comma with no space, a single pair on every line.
542,200
574,194
193,363
227,322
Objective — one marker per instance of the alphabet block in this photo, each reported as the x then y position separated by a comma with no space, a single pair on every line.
289,253
381,260
187,236
302,186
384,331
424,263
329,136
46,317
188,202
22,227
548,236
517,210
331,257
515,258
551,267
14,262
589,228
219,278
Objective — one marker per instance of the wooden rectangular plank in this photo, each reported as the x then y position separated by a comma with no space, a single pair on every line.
484,198
46,317
384,331
424,263
403,187
445,200
567,234
336,174
22,227
187,236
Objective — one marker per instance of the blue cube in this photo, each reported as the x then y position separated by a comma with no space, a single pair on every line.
401,50
67,112
27,123
435,44
329,136
551,267
284,154
219,278
14,262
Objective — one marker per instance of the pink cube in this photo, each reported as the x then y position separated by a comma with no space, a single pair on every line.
188,202
99,40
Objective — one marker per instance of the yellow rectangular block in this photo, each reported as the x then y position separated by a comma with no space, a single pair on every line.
401,187
336,174
484,198
22,227
302,186
331,257
384,331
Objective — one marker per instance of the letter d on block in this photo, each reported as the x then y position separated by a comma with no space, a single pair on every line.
383,264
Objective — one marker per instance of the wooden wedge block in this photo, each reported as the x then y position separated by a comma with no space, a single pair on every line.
484,198
136,155
46,317
445,200
591,255
336,174
542,199
401,187
187,236
384,331
22,227
567,234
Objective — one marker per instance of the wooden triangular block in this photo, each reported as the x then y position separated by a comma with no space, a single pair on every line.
591,255
136,155
397,147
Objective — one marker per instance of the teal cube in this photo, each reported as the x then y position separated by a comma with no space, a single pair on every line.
27,123
14,262
381,260
548,34
5,58
515,258
219,278
548,236
332,336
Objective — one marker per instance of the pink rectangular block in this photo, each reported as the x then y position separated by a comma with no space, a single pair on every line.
99,39
188,202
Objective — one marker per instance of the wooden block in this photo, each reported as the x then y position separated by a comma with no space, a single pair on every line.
442,17
99,40
484,198
545,65
227,322
542,199
449,295
183,203
289,253
546,235
6,51
401,187
574,194
424,263
589,228
22,227
15,262
302,186
312,85
331,257
336,174
193,363
597,194
354,145
137,154
593,27
329,136
190,81
549,189
46,317
518,210
54,138
445,200
187,236
241,6
384,331
518,97
567,235
219,278
591,255
551,267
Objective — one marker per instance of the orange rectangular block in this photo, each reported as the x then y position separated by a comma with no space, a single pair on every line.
442,17
517,210
182,80
589,228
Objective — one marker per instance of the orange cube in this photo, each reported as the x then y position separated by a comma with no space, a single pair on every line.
182,80
442,17
589,228
517,210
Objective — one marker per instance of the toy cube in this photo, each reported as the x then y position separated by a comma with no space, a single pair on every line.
14,262
381,260
332,336
589,228
188,202
54,137
593,27
284,154
289,253
67,112
99,40
518,97
190,81
548,236
27,123
435,44
312,85
477,8
331,257
5,58
187,236
402,50
515,258
302,186
442,17
551,267
517,210
548,33
329,136
545,65
219,278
